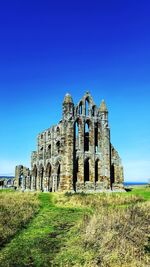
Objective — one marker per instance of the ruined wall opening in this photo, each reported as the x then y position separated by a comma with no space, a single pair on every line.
86,170
96,170
86,136
93,111
86,107
21,180
76,135
80,108
49,178
76,170
96,137
112,174
58,176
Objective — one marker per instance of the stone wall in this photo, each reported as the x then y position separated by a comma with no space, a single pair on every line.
75,154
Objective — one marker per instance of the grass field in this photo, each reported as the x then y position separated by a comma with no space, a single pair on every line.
47,229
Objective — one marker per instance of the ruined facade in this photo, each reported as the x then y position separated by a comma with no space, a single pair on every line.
76,154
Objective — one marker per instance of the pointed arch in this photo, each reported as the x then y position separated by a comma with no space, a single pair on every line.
86,135
76,135
87,106
80,108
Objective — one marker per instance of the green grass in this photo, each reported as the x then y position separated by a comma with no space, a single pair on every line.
44,237
141,191
57,235
16,210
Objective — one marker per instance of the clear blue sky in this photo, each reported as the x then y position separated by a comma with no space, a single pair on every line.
48,48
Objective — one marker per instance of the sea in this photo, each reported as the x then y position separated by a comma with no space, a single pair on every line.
134,184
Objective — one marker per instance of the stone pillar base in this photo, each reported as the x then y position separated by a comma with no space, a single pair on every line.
101,185
85,187
117,186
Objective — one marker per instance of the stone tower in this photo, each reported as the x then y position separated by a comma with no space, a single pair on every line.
76,154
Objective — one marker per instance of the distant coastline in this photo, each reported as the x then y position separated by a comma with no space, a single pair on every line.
134,183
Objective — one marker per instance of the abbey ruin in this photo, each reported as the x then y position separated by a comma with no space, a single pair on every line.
76,154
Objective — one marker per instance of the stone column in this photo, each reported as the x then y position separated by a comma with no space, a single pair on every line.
38,181
31,186
106,155
54,179
68,182
23,183
45,182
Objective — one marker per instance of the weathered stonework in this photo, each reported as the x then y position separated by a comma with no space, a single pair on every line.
76,154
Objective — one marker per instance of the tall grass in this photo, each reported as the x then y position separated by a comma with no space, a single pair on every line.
95,201
90,230
16,208
118,237
115,234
